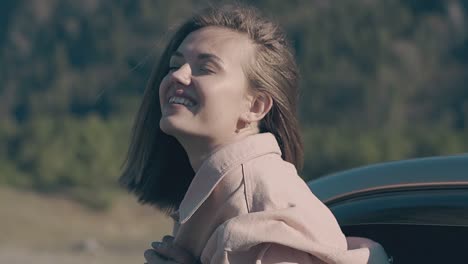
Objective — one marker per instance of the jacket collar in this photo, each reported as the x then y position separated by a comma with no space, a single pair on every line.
219,164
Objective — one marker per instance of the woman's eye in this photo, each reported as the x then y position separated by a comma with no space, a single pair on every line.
173,68
206,70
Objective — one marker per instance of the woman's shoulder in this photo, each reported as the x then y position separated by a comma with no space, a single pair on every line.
273,183
270,164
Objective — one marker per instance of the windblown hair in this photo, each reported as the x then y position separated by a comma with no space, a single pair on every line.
157,168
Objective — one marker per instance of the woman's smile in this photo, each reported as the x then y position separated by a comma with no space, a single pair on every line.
181,100
177,106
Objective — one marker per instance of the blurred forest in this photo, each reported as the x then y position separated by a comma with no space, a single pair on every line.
381,80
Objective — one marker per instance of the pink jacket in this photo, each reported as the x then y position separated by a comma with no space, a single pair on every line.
247,205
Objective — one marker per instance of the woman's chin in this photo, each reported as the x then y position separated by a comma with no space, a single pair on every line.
172,128
167,127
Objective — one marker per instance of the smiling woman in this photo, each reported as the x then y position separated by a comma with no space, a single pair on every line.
205,99
216,145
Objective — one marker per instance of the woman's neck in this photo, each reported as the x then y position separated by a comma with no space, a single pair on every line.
199,149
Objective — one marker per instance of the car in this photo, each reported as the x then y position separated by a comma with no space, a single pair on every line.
416,209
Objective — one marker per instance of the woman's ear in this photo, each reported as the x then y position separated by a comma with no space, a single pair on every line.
260,105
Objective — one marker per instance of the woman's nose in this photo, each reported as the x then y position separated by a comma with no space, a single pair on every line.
183,74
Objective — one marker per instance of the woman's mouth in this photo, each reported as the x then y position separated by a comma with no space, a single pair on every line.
182,101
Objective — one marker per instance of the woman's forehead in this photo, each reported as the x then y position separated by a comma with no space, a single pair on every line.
221,42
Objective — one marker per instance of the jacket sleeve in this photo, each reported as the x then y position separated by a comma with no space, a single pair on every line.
265,253
275,254
360,251
287,236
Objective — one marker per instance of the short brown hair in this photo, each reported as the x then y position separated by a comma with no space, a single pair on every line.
157,168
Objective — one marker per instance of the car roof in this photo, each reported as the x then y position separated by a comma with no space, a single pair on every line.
447,171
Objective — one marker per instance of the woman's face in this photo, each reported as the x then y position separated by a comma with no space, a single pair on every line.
205,92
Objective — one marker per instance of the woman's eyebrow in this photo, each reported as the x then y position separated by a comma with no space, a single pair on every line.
209,56
202,56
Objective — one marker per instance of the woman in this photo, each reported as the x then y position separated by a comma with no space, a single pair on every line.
216,145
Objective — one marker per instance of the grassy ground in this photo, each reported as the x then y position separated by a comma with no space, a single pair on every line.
40,229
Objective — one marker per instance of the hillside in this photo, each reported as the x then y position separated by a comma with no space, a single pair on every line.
40,229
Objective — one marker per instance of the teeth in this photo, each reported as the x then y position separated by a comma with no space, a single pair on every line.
180,100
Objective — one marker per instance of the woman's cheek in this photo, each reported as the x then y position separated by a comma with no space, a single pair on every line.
163,89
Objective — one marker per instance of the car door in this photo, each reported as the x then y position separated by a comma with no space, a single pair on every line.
417,225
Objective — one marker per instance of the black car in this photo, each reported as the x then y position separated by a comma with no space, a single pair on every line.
416,209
